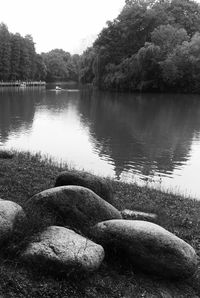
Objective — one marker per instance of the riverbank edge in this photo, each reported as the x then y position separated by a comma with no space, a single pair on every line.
23,174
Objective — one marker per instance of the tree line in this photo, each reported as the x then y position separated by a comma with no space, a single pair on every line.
19,60
151,45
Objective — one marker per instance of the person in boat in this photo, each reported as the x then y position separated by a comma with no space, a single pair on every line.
58,88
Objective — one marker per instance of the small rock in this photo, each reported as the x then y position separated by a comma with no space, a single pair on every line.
76,206
148,246
137,215
97,184
58,248
10,214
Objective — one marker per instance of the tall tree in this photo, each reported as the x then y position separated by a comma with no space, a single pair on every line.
40,68
168,37
57,65
86,74
185,13
5,51
25,62
31,61
181,69
15,56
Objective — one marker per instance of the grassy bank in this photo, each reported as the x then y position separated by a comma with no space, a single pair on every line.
25,175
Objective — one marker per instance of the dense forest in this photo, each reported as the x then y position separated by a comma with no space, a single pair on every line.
151,45
19,60
61,66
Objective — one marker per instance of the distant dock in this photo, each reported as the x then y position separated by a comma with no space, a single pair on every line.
23,84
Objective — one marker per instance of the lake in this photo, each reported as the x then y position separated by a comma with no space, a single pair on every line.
150,139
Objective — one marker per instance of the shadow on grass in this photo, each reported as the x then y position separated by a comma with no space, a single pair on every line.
4,154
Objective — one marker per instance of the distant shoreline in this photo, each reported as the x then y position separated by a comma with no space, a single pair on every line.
22,83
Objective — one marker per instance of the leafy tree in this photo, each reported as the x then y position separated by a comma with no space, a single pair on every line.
122,76
73,67
31,61
86,66
15,56
5,51
75,62
148,46
186,14
55,61
25,63
61,65
181,69
148,61
41,69
18,59
168,37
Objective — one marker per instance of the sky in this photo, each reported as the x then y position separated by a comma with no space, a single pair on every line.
71,25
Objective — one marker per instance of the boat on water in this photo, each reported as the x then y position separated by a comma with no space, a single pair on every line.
58,88
22,85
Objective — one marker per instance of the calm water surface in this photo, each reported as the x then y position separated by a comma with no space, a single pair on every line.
149,138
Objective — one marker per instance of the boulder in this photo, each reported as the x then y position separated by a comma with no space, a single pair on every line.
75,206
10,214
148,246
97,184
138,215
59,248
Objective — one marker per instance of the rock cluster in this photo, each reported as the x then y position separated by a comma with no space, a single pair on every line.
81,202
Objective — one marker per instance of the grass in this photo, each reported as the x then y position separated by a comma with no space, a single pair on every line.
23,175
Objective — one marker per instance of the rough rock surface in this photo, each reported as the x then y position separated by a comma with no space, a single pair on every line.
149,246
63,249
10,214
138,215
99,185
76,206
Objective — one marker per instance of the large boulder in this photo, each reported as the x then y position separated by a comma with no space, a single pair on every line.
97,184
58,248
10,215
75,206
148,246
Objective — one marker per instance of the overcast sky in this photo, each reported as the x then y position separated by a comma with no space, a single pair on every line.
66,24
